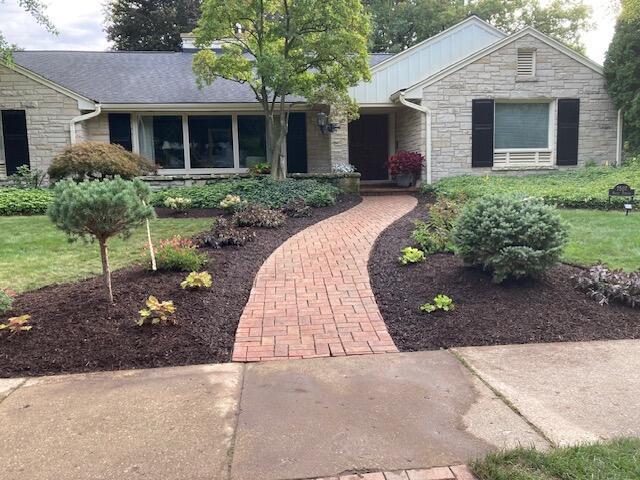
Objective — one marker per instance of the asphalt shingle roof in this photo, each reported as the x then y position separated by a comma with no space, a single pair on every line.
135,77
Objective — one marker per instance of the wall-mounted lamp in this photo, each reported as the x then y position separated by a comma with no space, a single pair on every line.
325,126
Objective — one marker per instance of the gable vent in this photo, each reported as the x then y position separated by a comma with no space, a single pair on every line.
526,63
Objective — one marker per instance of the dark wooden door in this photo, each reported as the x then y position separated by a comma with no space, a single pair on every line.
369,146
297,143
16,143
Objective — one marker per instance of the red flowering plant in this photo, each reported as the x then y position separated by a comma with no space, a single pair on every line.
405,162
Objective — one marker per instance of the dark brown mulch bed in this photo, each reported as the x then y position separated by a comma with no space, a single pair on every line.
163,212
550,310
75,330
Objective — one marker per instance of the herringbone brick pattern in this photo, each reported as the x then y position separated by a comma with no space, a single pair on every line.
457,472
312,296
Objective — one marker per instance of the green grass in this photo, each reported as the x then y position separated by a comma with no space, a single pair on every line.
583,188
608,237
34,253
615,460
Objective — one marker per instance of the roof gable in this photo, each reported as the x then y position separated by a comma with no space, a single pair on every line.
425,58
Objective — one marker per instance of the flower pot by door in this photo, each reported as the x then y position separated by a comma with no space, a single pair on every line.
404,180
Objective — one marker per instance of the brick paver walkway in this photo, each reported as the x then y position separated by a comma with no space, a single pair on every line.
458,472
312,296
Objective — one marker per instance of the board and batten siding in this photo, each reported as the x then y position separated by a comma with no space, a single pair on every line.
425,59
494,77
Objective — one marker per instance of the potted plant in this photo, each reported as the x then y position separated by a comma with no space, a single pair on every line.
405,167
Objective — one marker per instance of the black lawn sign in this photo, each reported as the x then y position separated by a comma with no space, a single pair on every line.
623,190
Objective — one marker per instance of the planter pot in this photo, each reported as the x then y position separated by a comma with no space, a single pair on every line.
404,180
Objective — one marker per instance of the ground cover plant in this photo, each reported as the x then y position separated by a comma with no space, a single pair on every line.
435,234
257,215
617,459
24,201
582,188
610,286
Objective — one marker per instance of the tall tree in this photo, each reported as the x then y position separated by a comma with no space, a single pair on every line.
622,71
150,24
37,10
399,24
316,49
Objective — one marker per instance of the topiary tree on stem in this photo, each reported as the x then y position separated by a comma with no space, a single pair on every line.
100,210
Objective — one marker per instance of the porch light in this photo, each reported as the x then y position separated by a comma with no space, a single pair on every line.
325,125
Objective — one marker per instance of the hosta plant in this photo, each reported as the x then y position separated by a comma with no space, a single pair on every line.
232,203
177,203
610,286
17,324
224,233
411,255
157,312
440,302
197,280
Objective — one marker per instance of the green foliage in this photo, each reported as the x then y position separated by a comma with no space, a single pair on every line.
177,203
260,168
320,198
296,208
606,286
180,254
27,178
17,324
150,25
96,160
258,216
411,255
197,280
309,48
224,233
232,203
157,312
434,236
6,301
264,191
510,236
440,302
398,25
582,188
622,71
18,201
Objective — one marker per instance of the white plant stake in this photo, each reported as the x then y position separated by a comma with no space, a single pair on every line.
151,252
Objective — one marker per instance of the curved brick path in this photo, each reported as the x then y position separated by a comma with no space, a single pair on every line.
312,296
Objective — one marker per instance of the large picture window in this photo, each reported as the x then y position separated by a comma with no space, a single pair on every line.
521,125
252,140
160,140
211,141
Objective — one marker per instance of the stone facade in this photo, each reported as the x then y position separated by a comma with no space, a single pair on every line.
48,114
494,76
410,130
325,149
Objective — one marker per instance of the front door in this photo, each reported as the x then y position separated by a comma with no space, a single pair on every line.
16,143
369,146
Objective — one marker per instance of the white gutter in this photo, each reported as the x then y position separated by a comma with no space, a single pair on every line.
427,114
82,118
619,139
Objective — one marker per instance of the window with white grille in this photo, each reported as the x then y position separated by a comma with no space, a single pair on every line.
526,63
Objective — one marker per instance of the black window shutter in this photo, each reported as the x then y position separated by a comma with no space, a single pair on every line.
16,141
482,133
568,126
120,130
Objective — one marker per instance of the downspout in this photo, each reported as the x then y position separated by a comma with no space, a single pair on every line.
427,114
619,139
82,118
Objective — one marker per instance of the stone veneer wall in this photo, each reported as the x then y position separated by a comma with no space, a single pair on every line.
410,130
494,76
48,115
325,149
96,129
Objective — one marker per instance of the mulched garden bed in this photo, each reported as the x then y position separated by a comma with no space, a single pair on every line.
76,330
163,212
550,310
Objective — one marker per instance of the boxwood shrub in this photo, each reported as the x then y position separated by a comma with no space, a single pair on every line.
21,201
265,191
582,188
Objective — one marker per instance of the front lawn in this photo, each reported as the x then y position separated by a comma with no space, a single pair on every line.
34,253
614,460
608,237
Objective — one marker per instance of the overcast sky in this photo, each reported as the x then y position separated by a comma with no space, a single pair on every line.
80,23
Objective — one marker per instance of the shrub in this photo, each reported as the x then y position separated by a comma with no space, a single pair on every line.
296,208
440,302
17,324
100,210
512,237
179,253
343,168
26,178
232,203
610,286
258,216
177,203
411,255
435,235
17,201
224,233
94,160
320,198
265,191
197,280
405,162
157,312
6,301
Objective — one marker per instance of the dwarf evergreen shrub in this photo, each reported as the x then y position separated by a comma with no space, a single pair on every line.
510,236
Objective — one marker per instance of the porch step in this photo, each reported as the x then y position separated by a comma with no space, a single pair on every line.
386,189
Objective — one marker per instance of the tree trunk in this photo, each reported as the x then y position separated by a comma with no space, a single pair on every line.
276,134
106,270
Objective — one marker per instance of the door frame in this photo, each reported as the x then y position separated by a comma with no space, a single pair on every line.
391,134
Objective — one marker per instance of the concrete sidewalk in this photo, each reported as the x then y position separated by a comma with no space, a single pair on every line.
315,418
